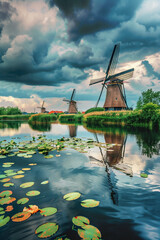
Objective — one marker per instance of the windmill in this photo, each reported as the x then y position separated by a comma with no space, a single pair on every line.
114,83
72,103
43,109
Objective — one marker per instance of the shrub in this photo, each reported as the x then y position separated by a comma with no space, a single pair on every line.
97,109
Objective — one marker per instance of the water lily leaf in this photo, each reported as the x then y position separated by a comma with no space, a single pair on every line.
26,169
27,156
144,175
8,184
9,208
11,155
46,230
2,212
21,216
32,164
72,196
9,165
89,203
80,221
2,176
7,200
18,176
22,200
8,171
5,180
44,182
4,220
48,156
6,193
20,172
31,209
27,184
89,232
21,154
31,152
33,193
48,211
11,174
2,156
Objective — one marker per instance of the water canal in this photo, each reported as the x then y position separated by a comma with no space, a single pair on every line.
104,165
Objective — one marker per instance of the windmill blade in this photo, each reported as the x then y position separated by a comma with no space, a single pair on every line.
42,104
73,93
98,80
113,60
100,95
125,75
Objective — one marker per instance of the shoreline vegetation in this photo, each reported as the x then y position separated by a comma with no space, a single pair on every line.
148,117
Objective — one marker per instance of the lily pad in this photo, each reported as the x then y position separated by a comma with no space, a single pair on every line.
27,184
22,200
21,216
4,220
44,182
26,169
32,164
18,176
31,152
27,156
48,211
7,200
11,174
48,156
8,171
9,208
8,184
46,230
72,196
2,211
2,156
80,221
7,165
89,232
2,176
6,193
5,180
89,203
33,193
144,175
20,172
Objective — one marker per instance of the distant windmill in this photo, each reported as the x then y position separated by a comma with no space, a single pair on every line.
114,83
72,103
43,109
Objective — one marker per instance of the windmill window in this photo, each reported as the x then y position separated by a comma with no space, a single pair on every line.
116,98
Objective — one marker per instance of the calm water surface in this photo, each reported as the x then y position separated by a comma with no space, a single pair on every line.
129,204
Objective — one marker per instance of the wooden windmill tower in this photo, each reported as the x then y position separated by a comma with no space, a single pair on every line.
43,109
114,83
72,103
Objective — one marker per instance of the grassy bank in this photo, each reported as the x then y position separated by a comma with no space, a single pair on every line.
71,118
15,117
42,118
148,117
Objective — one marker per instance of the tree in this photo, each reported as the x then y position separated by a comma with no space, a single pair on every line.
147,97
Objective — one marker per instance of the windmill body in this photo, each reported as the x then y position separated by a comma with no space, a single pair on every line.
114,83
43,109
72,104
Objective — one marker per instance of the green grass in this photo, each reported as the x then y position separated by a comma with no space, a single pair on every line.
71,118
21,117
42,118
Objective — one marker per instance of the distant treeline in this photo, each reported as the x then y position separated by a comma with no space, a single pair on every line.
10,111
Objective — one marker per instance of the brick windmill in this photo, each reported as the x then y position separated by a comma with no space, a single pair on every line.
43,109
72,103
114,83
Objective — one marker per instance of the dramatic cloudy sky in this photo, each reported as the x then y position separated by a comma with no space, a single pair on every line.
49,47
